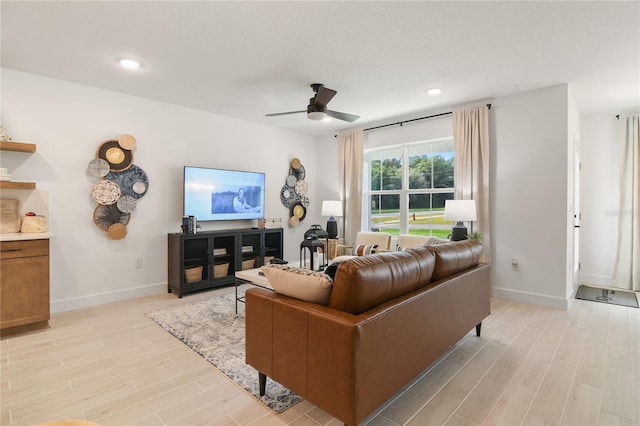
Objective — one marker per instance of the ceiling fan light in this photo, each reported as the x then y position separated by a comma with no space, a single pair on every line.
316,115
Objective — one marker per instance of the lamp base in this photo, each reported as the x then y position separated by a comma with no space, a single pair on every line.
459,232
332,227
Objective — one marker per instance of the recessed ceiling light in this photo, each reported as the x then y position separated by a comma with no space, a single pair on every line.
434,91
130,64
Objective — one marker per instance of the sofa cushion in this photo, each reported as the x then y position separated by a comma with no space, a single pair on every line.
364,282
299,283
454,257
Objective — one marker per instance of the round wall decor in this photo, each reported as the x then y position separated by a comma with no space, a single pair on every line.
105,192
293,193
119,159
122,185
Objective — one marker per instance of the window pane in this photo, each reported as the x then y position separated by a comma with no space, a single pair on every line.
385,168
419,172
431,164
385,213
426,215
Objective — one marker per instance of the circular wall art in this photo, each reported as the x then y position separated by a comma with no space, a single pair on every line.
119,159
294,192
105,192
122,185
133,182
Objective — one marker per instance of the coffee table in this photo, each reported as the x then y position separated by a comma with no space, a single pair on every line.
250,276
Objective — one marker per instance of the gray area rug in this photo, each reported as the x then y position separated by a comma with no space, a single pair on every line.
212,329
614,297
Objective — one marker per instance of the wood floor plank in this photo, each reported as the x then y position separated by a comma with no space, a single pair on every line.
583,405
551,398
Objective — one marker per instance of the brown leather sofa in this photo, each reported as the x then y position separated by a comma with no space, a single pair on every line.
390,316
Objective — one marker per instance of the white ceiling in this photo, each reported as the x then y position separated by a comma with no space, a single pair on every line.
245,59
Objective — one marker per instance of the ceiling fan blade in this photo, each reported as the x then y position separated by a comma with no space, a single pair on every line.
323,97
284,113
342,116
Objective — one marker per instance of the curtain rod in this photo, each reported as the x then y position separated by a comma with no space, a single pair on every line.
400,123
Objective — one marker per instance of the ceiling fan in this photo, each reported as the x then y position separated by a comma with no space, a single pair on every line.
317,108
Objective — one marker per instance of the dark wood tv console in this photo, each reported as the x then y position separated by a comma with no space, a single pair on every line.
210,259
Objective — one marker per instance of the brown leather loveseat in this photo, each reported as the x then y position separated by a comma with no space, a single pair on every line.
389,317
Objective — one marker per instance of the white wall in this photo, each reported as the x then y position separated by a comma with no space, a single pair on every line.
68,121
599,196
529,193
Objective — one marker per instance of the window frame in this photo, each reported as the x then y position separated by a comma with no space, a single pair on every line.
404,192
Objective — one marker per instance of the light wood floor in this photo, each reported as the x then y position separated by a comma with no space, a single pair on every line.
533,365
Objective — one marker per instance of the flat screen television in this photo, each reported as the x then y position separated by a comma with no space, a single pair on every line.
219,194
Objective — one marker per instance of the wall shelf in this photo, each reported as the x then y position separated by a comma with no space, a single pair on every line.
18,147
17,185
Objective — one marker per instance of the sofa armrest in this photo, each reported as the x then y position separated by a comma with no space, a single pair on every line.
308,348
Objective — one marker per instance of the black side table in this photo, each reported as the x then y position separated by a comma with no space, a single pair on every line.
311,245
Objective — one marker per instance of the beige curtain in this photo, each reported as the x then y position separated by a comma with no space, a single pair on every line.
626,272
350,159
471,167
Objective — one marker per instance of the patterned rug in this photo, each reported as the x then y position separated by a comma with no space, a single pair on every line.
212,329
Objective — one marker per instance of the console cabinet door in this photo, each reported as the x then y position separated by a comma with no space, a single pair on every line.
24,291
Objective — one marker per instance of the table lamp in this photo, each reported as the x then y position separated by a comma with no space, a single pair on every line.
331,209
459,211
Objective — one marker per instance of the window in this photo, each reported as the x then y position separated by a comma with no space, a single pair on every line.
405,187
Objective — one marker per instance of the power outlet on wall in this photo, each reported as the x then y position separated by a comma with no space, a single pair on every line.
139,262
515,266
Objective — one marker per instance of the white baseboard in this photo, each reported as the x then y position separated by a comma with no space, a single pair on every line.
73,303
596,279
533,298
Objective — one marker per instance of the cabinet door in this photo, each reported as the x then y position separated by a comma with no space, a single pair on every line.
273,242
251,246
24,291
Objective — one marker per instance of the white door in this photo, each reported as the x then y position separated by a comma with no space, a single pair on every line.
576,215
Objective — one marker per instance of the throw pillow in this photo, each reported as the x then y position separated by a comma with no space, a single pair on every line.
331,270
362,249
400,248
299,283
434,241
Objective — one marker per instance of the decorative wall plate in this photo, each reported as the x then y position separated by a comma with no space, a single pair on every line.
295,163
133,181
127,142
119,159
302,187
299,211
126,204
291,181
105,216
294,221
98,167
299,173
117,231
105,192
304,201
288,196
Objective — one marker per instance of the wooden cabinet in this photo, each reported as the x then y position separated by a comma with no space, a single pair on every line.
211,259
17,147
24,284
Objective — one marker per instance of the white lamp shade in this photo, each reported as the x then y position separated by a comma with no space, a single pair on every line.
460,210
331,208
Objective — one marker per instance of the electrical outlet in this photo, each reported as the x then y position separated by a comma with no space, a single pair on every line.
514,265
139,262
